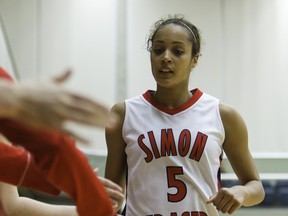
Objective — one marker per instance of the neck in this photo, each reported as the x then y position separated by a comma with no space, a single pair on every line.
172,98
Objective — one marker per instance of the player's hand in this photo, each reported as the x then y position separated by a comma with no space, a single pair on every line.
114,191
48,105
228,200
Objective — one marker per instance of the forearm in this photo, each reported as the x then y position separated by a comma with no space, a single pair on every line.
28,207
13,205
254,193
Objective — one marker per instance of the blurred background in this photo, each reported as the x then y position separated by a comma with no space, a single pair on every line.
244,61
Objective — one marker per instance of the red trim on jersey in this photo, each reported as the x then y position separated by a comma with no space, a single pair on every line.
219,173
196,95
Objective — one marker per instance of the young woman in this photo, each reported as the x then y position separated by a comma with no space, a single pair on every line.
168,144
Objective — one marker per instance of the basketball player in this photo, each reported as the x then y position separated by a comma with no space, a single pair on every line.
168,144
50,162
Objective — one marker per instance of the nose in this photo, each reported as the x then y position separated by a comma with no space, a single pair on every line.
166,58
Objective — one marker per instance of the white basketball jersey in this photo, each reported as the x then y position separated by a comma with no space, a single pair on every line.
173,156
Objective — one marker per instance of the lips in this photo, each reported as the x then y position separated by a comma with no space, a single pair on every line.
165,70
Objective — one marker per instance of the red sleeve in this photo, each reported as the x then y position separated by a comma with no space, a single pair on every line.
13,162
18,168
64,165
5,75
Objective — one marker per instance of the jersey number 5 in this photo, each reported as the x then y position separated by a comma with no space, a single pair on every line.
173,182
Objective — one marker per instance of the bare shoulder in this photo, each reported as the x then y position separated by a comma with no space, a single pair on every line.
119,108
234,126
227,111
118,111
230,116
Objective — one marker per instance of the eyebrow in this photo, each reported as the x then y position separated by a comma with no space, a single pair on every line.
174,42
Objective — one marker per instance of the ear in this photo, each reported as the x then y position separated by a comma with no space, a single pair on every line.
194,61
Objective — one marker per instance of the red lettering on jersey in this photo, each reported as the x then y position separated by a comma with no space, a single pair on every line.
184,142
173,182
196,213
186,213
168,146
199,146
155,215
145,149
153,144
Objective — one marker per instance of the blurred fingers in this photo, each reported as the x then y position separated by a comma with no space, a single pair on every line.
85,111
62,77
114,191
109,184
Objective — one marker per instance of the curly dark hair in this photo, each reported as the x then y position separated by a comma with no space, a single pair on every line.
178,19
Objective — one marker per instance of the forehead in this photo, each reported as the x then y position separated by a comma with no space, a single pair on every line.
172,33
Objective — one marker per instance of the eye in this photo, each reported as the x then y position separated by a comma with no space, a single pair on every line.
158,50
178,52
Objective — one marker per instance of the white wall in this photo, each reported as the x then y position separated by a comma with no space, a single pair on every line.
5,60
243,57
49,36
84,39
256,67
20,22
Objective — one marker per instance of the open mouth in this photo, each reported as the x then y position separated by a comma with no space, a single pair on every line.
164,71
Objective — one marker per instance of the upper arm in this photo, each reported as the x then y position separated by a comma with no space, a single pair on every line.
116,159
236,145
